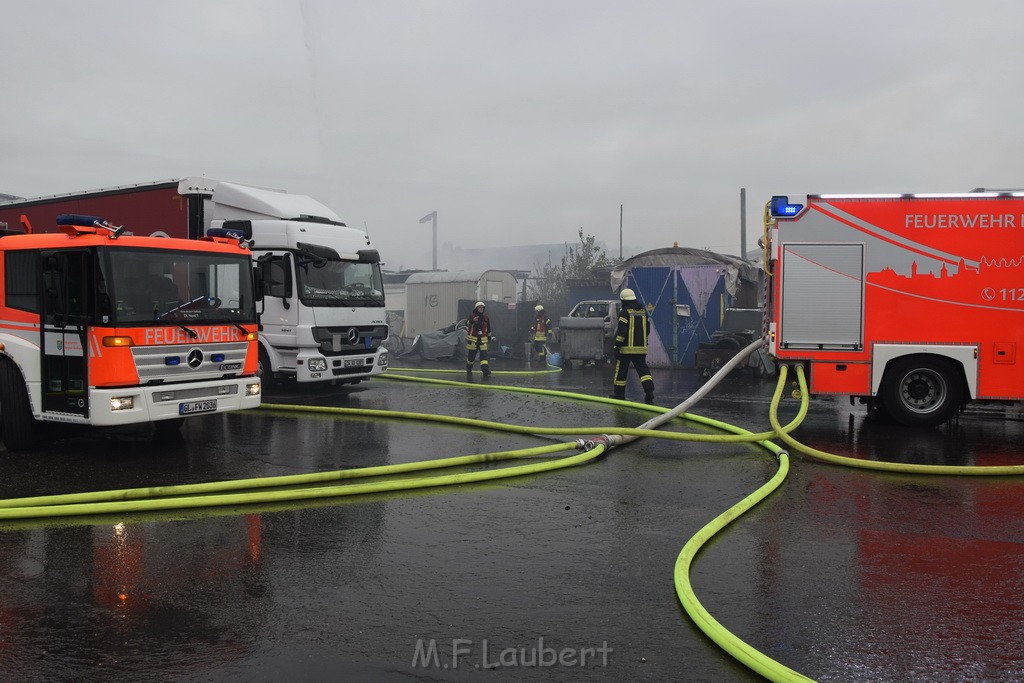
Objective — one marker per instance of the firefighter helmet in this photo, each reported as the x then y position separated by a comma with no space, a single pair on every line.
627,295
538,308
479,304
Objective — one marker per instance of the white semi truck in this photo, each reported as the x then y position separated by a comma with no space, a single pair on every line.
323,314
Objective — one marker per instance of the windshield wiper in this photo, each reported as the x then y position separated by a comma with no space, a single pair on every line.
191,332
317,293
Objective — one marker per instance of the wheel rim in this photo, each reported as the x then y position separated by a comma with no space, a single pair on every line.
923,390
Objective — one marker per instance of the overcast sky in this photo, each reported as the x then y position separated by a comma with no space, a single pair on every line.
519,121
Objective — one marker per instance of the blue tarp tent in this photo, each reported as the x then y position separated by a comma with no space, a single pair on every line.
686,292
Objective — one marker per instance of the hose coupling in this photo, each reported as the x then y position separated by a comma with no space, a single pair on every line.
593,442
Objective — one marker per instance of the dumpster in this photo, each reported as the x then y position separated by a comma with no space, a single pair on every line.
586,333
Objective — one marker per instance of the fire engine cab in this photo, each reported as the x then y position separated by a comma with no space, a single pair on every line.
100,327
912,303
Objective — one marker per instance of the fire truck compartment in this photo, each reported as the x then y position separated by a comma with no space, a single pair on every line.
823,295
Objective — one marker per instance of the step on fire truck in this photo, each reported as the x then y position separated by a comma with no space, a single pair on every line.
100,327
911,303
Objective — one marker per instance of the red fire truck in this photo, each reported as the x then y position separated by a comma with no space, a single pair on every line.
99,327
911,303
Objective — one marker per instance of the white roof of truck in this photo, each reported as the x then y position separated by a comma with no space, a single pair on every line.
270,203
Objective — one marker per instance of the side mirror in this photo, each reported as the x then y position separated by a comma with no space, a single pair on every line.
257,279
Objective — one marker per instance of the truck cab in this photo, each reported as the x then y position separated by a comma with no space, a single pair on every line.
323,310
102,328
323,315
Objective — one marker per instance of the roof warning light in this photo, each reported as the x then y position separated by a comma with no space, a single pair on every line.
780,207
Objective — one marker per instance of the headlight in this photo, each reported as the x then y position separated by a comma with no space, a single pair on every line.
122,402
383,360
317,365
252,389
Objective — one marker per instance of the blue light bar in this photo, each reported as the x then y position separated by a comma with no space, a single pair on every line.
78,219
172,360
780,207
217,358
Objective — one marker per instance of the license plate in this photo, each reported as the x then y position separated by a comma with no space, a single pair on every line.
192,407
357,363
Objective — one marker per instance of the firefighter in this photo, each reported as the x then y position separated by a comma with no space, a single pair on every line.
478,333
540,331
630,346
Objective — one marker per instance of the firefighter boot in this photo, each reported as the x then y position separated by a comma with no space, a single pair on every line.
648,392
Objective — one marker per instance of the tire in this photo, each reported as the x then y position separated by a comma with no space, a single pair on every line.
263,370
19,429
731,343
921,391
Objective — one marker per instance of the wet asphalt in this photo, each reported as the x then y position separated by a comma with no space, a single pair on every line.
842,575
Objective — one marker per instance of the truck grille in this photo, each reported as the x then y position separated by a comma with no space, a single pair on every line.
350,340
180,362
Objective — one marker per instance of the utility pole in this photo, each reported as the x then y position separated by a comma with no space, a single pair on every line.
620,232
743,223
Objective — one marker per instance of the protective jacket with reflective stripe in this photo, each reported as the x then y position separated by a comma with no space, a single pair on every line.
631,334
479,325
541,327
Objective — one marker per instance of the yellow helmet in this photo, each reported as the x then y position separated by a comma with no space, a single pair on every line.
627,295
538,308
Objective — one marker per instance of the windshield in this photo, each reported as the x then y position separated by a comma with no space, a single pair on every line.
146,285
590,309
339,283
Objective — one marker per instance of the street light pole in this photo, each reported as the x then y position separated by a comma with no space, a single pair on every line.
620,232
432,217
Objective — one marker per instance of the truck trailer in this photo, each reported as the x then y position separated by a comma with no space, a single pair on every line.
323,315
99,327
910,303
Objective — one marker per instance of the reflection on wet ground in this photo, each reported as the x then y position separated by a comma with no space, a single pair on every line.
840,575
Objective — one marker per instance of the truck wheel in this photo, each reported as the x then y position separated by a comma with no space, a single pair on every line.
19,428
263,366
921,391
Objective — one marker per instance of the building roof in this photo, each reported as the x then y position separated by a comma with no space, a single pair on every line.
453,276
